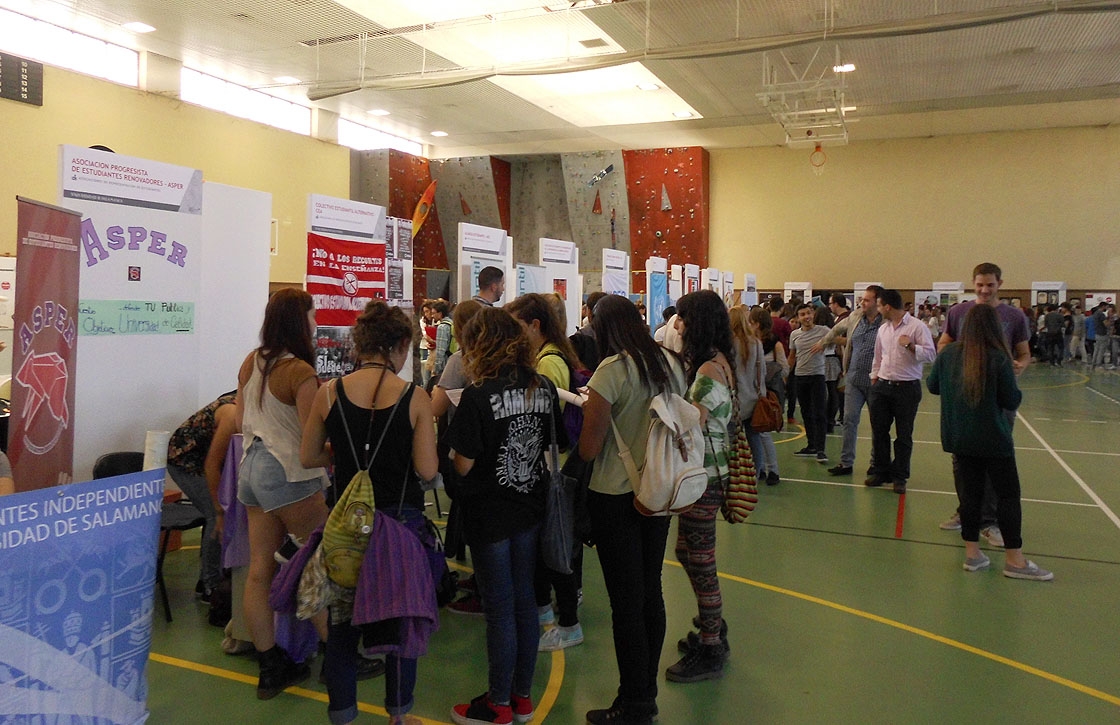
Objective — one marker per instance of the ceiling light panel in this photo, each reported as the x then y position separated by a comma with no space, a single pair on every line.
601,97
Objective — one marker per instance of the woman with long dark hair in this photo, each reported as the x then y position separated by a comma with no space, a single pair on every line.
631,547
555,359
706,333
500,438
370,404
976,381
275,389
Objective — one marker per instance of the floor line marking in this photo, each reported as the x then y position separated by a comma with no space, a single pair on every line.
937,493
541,711
1021,666
901,515
1103,395
1073,474
1018,448
250,680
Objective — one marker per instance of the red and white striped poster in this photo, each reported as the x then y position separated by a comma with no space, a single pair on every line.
343,276
41,429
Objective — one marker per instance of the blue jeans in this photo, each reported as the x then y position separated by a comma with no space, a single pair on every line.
854,398
762,449
341,669
340,664
504,573
210,554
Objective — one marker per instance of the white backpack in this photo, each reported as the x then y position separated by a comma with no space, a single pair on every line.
672,477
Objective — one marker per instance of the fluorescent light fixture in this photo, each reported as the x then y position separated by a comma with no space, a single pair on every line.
137,27
377,112
846,68
440,134
286,80
648,87
682,114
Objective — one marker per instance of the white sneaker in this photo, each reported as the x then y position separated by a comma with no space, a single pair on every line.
993,535
952,524
561,638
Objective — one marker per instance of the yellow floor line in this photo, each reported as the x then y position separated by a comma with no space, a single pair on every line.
1084,689
540,712
1084,379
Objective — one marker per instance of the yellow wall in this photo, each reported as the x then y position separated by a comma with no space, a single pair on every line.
1044,205
85,111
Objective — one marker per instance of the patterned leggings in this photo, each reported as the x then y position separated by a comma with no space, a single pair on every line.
696,551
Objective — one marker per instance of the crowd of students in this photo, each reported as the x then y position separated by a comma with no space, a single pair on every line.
502,380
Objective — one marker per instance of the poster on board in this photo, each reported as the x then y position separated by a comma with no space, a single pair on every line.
78,584
347,267
616,272
532,278
141,240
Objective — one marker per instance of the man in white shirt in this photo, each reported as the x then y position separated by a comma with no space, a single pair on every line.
902,344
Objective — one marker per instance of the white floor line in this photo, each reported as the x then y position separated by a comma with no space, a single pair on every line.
926,490
1018,448
1103,395
1073,474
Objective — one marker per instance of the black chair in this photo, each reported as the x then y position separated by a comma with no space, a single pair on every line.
177,516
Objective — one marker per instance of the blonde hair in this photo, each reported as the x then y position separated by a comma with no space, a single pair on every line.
741,335
492,341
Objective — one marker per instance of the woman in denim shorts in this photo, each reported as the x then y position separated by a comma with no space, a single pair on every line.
275,388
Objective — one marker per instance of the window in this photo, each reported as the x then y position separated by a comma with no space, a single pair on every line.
364,138
50,44
236,100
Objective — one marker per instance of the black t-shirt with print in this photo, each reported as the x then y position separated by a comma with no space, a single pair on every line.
504,428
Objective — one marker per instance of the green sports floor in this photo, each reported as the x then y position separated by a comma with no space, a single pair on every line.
845,604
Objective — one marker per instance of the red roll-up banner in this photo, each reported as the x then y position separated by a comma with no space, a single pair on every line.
41,429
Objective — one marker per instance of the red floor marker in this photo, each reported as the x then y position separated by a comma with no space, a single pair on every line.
901,515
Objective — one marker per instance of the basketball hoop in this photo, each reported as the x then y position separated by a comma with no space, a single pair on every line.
817,160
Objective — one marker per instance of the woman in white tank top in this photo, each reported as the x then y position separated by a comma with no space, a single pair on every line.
275,389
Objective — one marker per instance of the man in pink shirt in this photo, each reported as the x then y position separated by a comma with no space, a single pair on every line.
902,344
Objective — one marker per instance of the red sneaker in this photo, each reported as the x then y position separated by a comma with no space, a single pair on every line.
470,604
480,711
522,708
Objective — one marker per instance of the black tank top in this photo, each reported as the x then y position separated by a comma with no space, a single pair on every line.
393,467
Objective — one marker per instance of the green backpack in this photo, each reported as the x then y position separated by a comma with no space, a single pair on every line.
350,523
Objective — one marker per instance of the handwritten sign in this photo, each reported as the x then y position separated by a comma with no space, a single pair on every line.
135,317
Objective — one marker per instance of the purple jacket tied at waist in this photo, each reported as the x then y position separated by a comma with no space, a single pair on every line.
395,582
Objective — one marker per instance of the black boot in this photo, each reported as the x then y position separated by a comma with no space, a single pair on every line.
702,663
279,672
692,639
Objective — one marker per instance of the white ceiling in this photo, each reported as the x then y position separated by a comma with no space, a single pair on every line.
923,67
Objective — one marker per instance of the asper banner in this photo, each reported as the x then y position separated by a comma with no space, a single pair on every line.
76,611
41,429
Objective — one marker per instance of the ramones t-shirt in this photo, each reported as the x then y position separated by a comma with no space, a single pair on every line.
504,428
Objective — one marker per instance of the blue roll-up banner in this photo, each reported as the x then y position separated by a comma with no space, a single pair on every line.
76,586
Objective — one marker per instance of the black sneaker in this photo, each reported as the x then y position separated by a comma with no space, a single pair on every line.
840,470
772,478
806,452
367,669
279,672
622,714
702,663
287,550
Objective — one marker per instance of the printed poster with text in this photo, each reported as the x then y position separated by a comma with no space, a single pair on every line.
346,269
139,277
76,612
41,428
